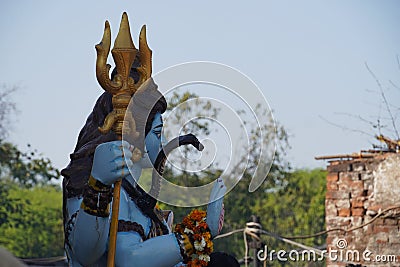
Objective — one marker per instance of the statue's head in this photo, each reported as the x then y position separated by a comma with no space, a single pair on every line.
148,120
146,107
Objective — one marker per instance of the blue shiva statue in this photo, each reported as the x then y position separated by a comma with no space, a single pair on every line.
145,236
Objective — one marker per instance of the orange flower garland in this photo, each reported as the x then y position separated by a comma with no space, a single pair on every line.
195,225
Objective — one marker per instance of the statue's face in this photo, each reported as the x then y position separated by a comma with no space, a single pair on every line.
153,141
153,138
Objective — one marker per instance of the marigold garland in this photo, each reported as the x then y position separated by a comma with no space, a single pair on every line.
195,225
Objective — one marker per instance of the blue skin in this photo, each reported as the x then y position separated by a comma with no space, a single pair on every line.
88,236
154,138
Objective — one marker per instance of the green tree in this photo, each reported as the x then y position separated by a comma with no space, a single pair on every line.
31,221
25,168
30,201
30,205
7,109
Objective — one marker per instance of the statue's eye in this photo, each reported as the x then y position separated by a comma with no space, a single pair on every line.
157,132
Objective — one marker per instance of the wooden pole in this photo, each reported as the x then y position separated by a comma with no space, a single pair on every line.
114,225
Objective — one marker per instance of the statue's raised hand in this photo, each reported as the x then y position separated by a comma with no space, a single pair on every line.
215,209
109,164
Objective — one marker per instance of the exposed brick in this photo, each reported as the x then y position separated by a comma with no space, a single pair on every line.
332,221
367,176
359,166
331,212
368,192
376,208
381,229
356,221
338,222
368,185
342,166
329,240
342,203
357,202
332,177
394,232
344,212
367,203
394,238
369,229
331,186
344,186
381,237
337,195
371,165
357,212
389,221
379,241
345,176
357,188
379,221
349,176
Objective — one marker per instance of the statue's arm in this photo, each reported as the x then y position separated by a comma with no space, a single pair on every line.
132,242
87,238
160,251
88,225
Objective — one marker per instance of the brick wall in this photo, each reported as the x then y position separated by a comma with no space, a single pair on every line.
357,190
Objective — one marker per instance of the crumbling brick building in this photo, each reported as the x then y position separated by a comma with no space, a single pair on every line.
363,198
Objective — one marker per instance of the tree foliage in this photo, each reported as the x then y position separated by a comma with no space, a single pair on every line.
25,168
31,220
30,206
7,109
30,202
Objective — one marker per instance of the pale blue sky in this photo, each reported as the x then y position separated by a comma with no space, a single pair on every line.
306,56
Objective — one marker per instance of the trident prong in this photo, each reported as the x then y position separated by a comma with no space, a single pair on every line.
145,68
102,68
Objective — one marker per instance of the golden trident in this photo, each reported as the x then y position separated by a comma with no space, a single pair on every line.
122,87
